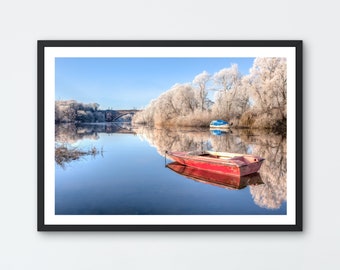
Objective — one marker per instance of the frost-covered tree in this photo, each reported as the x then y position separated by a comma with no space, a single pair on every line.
68,111
180,100
166,108
232,98
182,104
184,98
200,81
227,78
145,116
268,83
65,111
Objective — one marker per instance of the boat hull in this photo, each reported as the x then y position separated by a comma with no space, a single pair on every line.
240,165
216,178
227,126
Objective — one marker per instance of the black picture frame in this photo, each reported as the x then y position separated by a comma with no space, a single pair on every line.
43,91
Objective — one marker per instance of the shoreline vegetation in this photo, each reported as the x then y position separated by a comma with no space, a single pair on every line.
257,100
65,154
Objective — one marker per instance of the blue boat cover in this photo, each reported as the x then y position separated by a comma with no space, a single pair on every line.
218,122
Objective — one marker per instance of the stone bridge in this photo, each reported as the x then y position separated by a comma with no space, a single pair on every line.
114,115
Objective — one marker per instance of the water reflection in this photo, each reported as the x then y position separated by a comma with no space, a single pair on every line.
219,132
272,147
191,139
215,178
271,194
71,133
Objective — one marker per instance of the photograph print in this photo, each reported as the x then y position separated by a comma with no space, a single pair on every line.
170,135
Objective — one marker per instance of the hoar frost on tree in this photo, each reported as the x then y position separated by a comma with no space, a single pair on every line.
268,86
227,78
257,100
232,98
201,81
180,100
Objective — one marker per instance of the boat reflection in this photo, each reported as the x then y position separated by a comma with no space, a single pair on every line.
215,178
219,132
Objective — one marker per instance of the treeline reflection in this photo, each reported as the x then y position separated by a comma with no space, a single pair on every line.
71,133
272,147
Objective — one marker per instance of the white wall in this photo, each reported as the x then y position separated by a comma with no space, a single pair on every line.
22,23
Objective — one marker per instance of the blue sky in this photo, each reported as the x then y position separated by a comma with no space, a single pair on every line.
125,83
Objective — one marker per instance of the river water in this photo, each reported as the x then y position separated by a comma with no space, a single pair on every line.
127,174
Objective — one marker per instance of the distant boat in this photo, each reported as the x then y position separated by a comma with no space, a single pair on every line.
230,163
220,124
216,178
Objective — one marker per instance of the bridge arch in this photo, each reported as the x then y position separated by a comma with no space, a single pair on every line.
121,115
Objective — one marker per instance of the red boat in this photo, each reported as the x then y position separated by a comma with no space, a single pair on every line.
216,178
230,163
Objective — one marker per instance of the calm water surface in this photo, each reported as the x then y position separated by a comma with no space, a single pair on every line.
128,175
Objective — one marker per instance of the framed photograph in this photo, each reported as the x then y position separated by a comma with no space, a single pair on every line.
171,135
